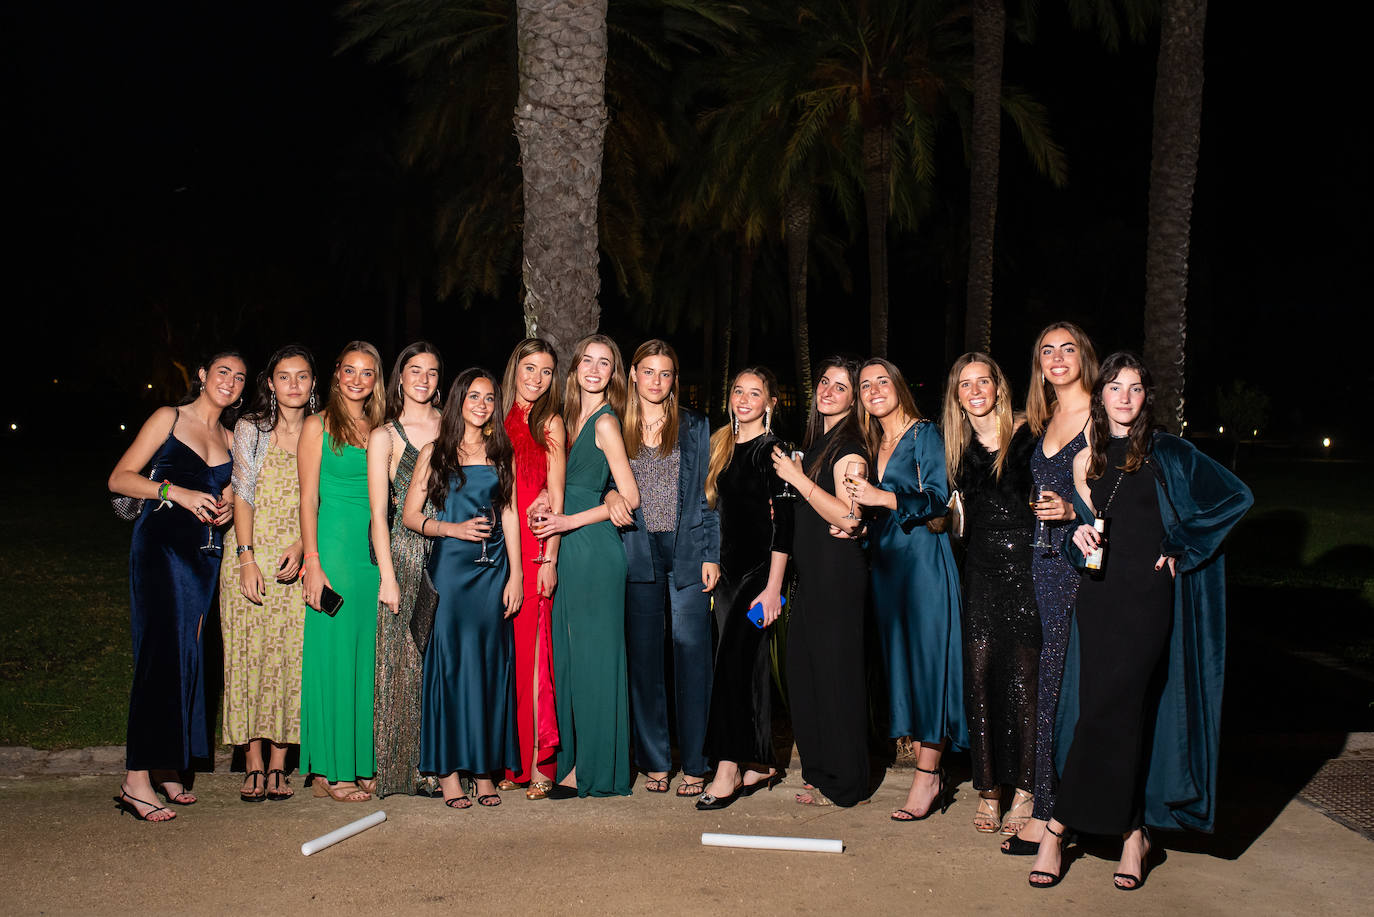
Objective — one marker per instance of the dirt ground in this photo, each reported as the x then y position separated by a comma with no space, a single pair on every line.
64,848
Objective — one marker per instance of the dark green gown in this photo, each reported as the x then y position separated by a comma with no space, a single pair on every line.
467,705
589,633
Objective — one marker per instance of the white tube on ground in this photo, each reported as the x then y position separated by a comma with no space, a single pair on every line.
768,842
341,834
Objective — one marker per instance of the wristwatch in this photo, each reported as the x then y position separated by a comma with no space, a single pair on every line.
238,552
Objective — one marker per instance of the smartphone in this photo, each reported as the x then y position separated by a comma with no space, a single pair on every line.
330,601
755,614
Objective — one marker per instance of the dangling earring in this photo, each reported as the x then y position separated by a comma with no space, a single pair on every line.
734,423
312,399
486,431
768,420
273,411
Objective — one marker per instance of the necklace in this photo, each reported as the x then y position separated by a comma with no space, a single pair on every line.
654,425
887,440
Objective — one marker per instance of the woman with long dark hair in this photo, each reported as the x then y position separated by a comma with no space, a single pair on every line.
755,542
672,550
338,665
263,625
412,415
468,713
1063,369
173,564
988,451
589,606
826,685
1142,690
530,404
915,580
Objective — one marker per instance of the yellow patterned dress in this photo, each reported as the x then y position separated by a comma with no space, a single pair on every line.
262,643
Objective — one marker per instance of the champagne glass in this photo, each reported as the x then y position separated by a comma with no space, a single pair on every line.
213,545
540,558
854,469
1042,541
489,514
787,492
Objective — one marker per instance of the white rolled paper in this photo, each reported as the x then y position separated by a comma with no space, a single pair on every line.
344,833
768,842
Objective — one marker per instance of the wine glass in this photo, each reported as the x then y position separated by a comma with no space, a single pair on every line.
854,469
1042,541
490,515
540,558
787,492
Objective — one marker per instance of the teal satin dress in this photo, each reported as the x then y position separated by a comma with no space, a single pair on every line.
916,595
589,633
467,699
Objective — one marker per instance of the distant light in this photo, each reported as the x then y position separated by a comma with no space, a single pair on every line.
150,385
1185,423
1326,442
121,426
54,382
1254,432
14,426
1221,429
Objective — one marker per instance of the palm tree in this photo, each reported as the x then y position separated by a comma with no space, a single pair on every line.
1173,170
985,144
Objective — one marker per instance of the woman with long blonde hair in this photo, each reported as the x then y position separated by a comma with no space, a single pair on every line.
672,550
589,606
339,657
1063,370
988,452
914,578
530,406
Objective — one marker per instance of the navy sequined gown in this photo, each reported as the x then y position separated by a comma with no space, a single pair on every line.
171,588
1056,588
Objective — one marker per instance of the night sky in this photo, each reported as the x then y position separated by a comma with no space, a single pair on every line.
186,174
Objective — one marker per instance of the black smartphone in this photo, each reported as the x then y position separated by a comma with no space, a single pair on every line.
330,601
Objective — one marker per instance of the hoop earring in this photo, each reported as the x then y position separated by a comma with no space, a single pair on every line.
238,404
768,420
438,397
274,405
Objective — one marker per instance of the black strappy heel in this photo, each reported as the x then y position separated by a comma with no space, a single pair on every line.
126,803
1053,877
944,795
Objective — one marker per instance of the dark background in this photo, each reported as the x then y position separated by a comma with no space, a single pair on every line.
181,176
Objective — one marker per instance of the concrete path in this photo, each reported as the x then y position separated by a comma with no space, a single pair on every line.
63,848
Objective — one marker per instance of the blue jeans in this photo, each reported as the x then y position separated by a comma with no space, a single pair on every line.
646,613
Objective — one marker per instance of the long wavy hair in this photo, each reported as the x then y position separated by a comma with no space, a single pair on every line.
395,399
548,404
846,428
634,433
1040,397
445,462
230,415
615,391
872,426
1141,429
723,440
260,412
341,428
958,429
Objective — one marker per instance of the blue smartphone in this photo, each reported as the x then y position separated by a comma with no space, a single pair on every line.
755,614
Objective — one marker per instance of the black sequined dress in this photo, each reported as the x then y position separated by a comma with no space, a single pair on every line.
1001,621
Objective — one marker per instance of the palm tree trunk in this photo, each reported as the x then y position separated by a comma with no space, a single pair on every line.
796,215
718,383
877,164
985,143
560,122
744,308
1173,171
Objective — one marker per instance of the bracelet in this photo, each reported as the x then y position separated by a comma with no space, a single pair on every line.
247,562
811,491
162,491
424,522
310,555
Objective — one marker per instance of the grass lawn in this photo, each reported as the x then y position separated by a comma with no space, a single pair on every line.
1301,564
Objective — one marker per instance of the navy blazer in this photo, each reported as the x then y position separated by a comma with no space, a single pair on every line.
698,525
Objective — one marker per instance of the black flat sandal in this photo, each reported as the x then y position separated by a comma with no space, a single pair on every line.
278,795
255,795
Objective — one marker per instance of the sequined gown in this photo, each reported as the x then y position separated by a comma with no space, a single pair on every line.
1056,587
262,643
397,707
171,588
1001,621
533,634
589,633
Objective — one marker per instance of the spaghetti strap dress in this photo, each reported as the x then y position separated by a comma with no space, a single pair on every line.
340,657
171,590
589,633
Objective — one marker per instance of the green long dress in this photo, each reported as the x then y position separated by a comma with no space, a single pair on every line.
340,654
589,633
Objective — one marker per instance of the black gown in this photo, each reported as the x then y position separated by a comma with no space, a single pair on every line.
825,649
1123,631
1001,621
740,725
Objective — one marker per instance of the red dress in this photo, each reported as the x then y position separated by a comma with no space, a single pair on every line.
533,634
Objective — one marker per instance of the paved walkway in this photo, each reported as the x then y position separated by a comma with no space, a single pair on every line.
63,848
